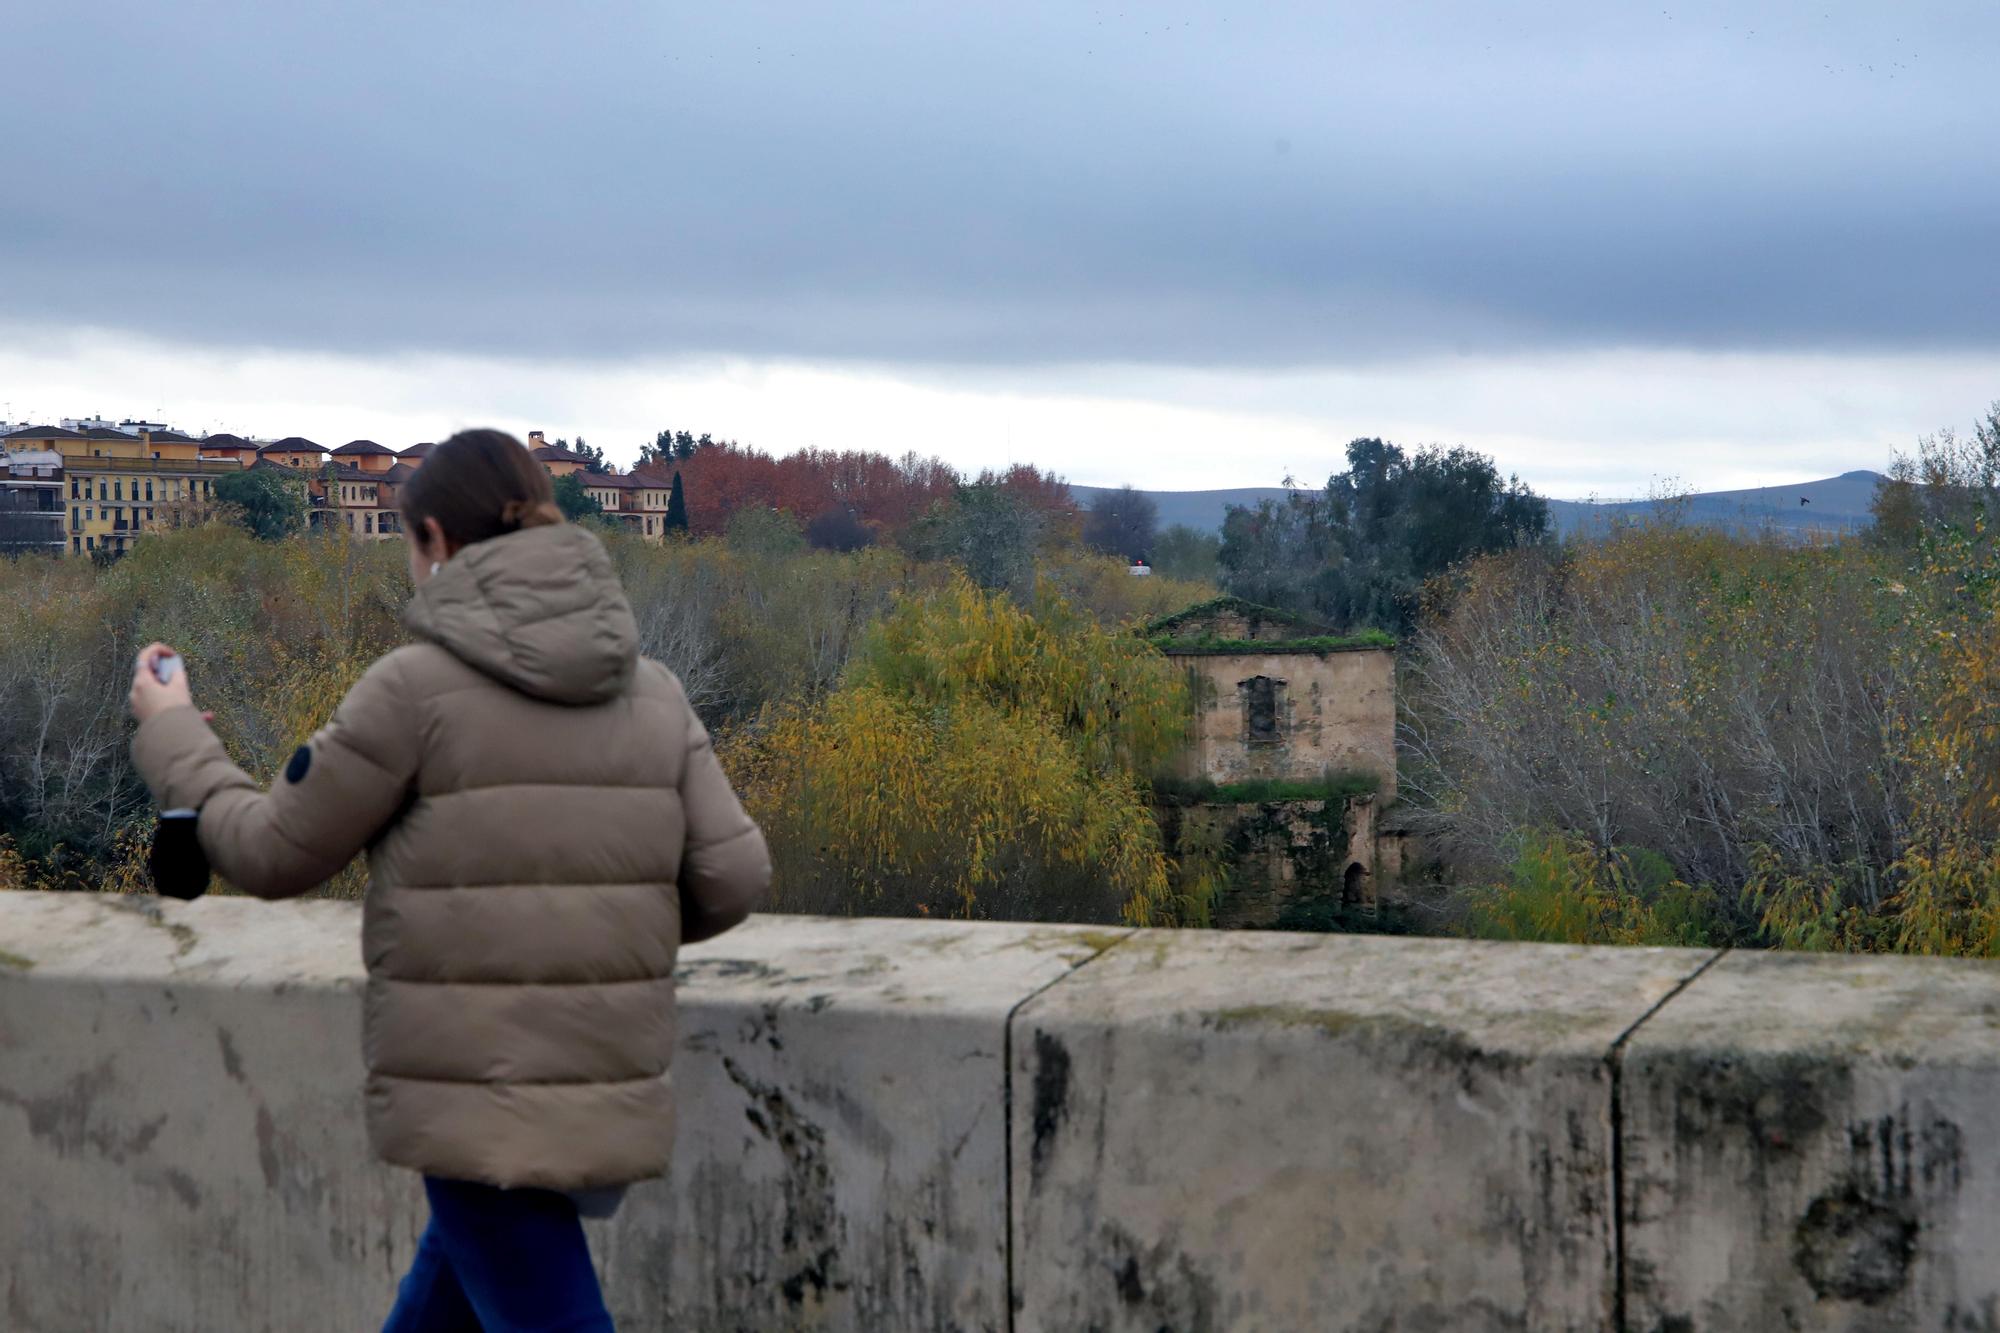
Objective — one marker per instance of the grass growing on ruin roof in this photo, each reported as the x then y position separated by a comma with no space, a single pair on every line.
1317,643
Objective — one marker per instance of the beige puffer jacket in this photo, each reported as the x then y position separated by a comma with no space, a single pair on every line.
545,824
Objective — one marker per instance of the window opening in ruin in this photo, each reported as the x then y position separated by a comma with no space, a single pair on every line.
1354,885
1260,710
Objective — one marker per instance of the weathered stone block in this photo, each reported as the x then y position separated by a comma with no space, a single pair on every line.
1296,1132
182,1146
1334,711
181,1141
1804,1148
842,1154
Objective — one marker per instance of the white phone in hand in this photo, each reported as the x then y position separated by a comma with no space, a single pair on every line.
165,666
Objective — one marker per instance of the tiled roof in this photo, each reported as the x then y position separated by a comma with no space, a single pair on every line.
623,481
169,437
398,474
550,453
353,447
226,442
42,433
292,444
106,433
417,450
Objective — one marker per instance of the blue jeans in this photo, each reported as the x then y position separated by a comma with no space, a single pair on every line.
499,1261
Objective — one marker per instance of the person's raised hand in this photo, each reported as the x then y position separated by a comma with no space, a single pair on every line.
149,694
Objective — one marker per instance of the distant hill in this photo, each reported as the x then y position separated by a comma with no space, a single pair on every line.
1835,505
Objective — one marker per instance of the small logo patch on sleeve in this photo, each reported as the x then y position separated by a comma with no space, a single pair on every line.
301,760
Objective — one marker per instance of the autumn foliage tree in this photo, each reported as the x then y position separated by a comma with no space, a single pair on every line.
980,760
886,495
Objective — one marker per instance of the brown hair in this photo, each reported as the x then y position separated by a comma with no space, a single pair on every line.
479,484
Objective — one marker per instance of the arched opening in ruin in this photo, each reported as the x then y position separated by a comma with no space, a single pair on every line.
1354,885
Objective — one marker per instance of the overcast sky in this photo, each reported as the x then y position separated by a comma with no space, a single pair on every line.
1180,245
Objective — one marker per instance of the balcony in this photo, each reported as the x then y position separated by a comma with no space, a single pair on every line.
172,466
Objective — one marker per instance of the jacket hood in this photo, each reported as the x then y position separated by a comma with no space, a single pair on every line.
539,610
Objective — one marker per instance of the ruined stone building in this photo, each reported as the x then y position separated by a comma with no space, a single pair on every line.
1277,698
1293,754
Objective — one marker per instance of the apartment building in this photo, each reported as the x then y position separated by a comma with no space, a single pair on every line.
114,485
101,486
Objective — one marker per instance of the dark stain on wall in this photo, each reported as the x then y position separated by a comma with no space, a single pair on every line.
1051,1106
232,1063
75,1118
1853,1248
811,1238
1158,1286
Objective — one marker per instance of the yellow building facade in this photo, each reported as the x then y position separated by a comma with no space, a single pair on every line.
116,486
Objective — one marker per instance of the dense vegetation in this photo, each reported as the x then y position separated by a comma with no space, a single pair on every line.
761,627
1358,553
1670,735
981,758
1654,734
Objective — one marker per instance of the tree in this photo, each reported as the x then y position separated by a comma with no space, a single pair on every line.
1279,552
684,445
1182,552
981,760
765,532
661,450
1953,482
1123,523
574,501
988,530
1360,552
593,459
838,530
270,501
677,512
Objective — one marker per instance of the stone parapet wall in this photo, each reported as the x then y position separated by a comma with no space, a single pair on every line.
902,1125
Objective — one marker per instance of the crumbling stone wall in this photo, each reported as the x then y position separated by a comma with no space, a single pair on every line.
1335,711
1278,853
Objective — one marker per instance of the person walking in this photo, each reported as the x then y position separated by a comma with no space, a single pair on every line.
545,823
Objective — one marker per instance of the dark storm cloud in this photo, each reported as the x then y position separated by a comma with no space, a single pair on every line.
1181,183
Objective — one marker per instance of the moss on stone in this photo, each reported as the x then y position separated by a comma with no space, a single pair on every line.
1332,1022
1250,611
1098,940
1317,644
15,961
